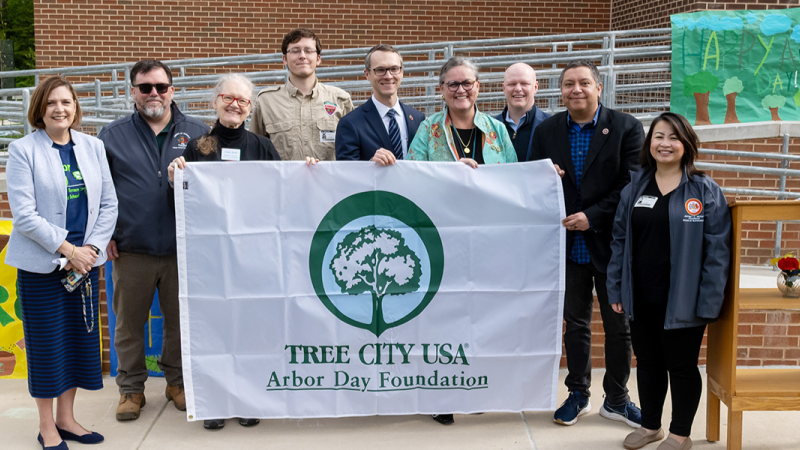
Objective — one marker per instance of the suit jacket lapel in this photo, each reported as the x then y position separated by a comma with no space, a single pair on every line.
411,124
562,142
375,120
601,132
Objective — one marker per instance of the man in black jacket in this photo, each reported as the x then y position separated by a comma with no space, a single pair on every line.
521,116
593,148
139,149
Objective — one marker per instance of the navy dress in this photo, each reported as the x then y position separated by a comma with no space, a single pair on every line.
62,329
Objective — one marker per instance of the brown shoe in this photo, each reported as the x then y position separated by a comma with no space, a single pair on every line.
129,406
640,438
672,444
175,393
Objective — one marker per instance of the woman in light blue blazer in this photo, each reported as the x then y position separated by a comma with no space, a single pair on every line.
64,211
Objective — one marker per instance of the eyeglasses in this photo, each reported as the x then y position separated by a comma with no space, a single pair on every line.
146,88
466,84
381,71
228,99
297,50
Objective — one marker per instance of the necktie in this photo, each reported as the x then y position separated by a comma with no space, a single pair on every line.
394,134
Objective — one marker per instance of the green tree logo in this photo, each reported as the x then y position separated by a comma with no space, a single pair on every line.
352,256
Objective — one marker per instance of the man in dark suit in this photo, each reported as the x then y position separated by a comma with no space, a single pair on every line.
593,148
382,128
521,116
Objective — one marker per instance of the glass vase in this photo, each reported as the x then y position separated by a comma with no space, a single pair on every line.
789,285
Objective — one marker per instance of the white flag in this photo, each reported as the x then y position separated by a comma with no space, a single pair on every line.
350,289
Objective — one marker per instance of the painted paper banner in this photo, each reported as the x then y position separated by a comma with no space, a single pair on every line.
348,289
153,330
13,360
736,66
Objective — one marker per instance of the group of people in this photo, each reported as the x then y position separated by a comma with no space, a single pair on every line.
646,230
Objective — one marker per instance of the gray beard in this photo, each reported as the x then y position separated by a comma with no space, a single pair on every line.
154,112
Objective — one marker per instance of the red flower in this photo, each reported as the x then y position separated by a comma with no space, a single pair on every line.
788,264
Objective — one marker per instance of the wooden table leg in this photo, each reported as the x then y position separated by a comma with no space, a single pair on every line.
734,429
712,417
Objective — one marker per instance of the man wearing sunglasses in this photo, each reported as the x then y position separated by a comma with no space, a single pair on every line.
382,128
139,148
300,117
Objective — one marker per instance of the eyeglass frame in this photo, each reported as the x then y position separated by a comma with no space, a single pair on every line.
236,99
152,86
396,71
306,50
460,84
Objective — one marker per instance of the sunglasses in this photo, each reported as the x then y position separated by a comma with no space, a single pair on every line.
146,88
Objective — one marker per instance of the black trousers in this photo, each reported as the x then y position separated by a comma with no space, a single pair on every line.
578,304
660,353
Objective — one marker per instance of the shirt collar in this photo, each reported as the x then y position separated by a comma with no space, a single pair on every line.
594,120
294,92
521,119
383,109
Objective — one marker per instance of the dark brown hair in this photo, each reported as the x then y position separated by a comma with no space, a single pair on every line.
41,94
146,65
685,134
297,34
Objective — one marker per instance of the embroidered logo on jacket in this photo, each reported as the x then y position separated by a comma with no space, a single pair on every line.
330,108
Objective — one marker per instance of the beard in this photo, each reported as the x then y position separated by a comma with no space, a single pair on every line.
154,112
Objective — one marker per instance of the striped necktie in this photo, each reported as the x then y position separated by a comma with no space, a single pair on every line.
394,134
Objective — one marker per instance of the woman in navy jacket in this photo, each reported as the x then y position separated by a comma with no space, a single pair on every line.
64,206
669,266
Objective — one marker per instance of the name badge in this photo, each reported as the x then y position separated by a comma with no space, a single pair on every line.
231,154
327,136
646,201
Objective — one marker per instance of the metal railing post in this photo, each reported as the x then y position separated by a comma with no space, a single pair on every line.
552,83
36,80
26,103
612,75
98,101
782,189
182,105
430,91
114,92
128,88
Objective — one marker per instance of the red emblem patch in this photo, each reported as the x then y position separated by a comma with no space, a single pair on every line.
330,108
694,207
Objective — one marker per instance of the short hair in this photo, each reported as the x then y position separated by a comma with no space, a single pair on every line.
581,63
380,48
297,34
456,61
146,65
685,134
233,78
38,105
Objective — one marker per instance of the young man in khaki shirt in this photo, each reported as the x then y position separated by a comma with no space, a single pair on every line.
301,116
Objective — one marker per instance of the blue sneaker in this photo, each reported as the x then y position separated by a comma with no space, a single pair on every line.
628,413
573,407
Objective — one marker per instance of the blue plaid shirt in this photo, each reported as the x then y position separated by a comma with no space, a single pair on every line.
579,140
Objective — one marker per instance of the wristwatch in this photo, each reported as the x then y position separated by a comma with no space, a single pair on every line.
96,250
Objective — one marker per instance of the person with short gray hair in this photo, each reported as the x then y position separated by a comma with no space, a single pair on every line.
381,129
460,132
594,149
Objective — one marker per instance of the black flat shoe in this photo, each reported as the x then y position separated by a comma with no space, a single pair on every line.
213,424
90,438
248,422
444,419
61,446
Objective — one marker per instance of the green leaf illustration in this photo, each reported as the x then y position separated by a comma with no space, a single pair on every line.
152,363
5,318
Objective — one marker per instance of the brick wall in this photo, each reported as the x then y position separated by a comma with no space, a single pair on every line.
636,14
758,238
84,32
